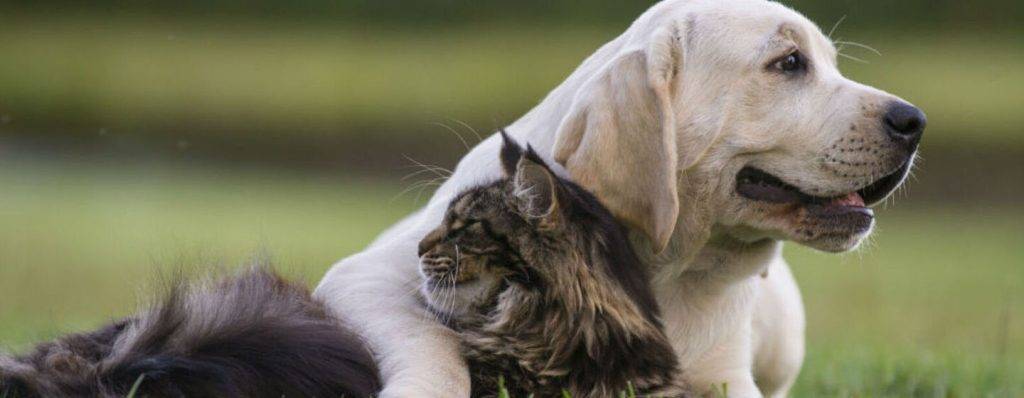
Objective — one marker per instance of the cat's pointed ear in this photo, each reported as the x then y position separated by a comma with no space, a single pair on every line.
536,188
511,152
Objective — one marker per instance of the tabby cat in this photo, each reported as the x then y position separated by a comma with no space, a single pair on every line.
542,286
531,271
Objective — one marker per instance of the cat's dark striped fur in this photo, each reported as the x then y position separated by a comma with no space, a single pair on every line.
252,335
541,284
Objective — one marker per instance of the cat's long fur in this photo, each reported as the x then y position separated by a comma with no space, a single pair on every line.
568,306
251,335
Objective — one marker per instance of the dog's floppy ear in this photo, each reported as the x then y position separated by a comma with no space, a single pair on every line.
619,138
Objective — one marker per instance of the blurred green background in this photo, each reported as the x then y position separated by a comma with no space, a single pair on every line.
137,136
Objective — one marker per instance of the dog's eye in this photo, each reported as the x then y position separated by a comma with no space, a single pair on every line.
792,63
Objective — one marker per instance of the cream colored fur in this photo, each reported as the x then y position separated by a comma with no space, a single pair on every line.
657,123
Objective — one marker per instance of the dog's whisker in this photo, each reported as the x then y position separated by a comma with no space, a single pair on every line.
828,119
852,58
836,26
860,45
867,246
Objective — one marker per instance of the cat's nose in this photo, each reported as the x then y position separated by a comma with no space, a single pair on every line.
428,242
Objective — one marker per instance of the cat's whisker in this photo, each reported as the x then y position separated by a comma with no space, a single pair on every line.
449,298
454,275
479,138
407,190
458,254
414,290
432,175
421,186
432,183
454,301
416,173
416,287
456,133
438,170
438,294
441,174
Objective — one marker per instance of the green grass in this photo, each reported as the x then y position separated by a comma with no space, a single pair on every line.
135,386
134,76
933,308
77,240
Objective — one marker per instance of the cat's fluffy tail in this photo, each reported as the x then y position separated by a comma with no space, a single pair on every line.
252,335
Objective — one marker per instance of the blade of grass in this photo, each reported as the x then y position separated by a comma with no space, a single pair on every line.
135,387
502,391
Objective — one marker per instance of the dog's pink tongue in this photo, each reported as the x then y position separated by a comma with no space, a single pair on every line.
853,199
845,206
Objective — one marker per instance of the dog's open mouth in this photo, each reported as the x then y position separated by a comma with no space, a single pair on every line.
759,185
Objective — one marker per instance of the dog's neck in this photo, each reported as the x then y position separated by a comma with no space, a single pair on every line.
717,257
700,248
729,260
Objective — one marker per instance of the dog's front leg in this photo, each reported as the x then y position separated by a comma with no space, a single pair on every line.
376,293
725,369
710,328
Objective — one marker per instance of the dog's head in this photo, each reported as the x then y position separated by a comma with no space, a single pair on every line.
731,117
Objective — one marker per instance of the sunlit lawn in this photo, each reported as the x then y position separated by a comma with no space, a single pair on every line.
933,308
934,304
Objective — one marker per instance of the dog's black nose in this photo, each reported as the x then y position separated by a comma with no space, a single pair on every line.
905,123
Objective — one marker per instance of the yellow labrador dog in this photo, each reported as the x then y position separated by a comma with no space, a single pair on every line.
715,129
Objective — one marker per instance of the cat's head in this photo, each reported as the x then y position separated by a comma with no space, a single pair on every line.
529,232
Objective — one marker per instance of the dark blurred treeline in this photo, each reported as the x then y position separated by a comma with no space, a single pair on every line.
335,84
890,14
